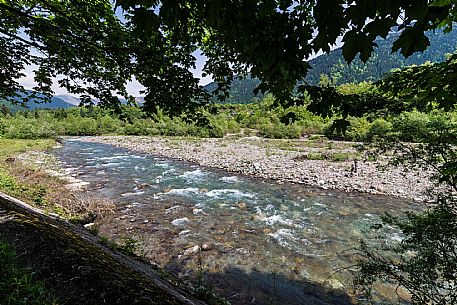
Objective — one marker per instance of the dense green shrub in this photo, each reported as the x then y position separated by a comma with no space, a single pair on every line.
358,130
218,120
410,125
30,128
280,131
378,128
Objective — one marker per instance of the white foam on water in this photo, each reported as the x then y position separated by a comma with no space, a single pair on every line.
395,237
277,219
219,193
110,164
132,194
137,157
162,165
114,157
320,204
270,207
169,171
139,168
193,175
283,237
230,179
189,191
287,239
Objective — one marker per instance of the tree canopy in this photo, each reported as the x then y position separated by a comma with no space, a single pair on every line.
97,46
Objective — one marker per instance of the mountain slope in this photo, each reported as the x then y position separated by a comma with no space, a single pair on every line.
36,104
381,62
68,98
334,66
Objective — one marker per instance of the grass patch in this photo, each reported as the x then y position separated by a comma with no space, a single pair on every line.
10,147
126,244
34,186
31,192
329,156
17,286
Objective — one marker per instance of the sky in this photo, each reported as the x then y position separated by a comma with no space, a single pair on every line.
133,87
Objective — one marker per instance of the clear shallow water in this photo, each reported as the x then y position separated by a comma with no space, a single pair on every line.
267,243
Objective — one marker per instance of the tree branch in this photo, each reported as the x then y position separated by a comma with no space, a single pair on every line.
30,43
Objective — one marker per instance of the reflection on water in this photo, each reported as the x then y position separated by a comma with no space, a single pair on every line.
268,240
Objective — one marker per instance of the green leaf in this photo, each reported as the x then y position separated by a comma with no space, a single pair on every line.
411,40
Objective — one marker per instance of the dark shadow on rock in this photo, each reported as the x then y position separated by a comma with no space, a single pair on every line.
78,271
241,287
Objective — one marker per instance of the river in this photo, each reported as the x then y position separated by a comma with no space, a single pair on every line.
253,241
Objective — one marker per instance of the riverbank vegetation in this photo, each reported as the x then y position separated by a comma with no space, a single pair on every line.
265,118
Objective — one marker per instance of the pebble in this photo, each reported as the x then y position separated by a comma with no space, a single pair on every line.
180,222
192,250
197,211
242,205
184,232
89,226
206,247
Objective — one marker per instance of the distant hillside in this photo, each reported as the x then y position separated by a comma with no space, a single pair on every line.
68,98
381,62
58,101
333,65
36,104
241,90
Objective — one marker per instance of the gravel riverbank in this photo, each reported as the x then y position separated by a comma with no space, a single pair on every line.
285,161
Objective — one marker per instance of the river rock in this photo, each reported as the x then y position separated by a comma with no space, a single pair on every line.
143,186
206,247
197,211
89,226
242,205
184,232
192,250
180,222
335,284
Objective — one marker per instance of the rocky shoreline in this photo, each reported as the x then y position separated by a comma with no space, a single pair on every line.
283,162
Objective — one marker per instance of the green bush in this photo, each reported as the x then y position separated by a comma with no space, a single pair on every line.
80,126
141,127
378,128
280,131
358,129
17,286
411,125
30,128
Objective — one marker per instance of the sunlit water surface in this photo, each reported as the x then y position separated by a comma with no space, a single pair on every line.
264,243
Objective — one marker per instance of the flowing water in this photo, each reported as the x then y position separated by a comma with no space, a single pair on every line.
262,242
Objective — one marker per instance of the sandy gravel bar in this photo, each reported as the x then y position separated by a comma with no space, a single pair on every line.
283,161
